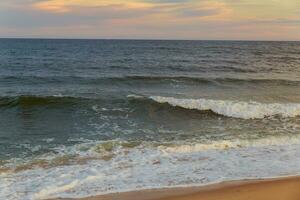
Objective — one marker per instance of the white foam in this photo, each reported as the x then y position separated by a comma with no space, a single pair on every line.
59,187
230,144
148,166
145,168
134,96
236,109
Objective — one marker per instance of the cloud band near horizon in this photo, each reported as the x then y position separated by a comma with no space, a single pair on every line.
156,19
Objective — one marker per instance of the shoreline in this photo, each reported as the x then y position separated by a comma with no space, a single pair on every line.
282,188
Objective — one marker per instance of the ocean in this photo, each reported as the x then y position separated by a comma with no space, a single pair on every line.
90,117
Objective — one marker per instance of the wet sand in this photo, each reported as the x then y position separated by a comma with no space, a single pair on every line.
271,189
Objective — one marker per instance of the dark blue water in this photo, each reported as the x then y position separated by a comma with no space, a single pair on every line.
56,94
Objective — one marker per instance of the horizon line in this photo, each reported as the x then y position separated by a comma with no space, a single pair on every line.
148,39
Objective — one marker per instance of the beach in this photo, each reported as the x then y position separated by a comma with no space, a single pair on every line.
149,100
272,189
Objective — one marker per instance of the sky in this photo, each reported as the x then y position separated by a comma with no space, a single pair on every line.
152,19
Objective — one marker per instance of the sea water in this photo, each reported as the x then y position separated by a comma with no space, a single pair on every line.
89,117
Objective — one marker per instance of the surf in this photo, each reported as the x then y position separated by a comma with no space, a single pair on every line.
235,109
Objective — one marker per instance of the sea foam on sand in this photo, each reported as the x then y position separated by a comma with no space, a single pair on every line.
146,167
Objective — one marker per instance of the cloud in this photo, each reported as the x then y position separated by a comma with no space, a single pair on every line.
189,19
68,6
181,7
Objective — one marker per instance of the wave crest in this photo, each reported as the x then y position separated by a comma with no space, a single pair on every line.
235,109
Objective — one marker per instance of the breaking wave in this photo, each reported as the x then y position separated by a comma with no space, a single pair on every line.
235,109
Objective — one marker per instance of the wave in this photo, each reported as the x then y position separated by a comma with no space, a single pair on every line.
235,109
90,150
143,79
232,144
29,101
208,80
161,167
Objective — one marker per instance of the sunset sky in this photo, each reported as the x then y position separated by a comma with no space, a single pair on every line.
152,19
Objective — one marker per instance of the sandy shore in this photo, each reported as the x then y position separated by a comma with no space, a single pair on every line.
273,189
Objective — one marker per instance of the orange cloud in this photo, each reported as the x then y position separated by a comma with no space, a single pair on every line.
66,6
52,6
224,12
208,19
206,9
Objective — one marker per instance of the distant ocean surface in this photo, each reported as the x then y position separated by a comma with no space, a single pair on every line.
89,117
